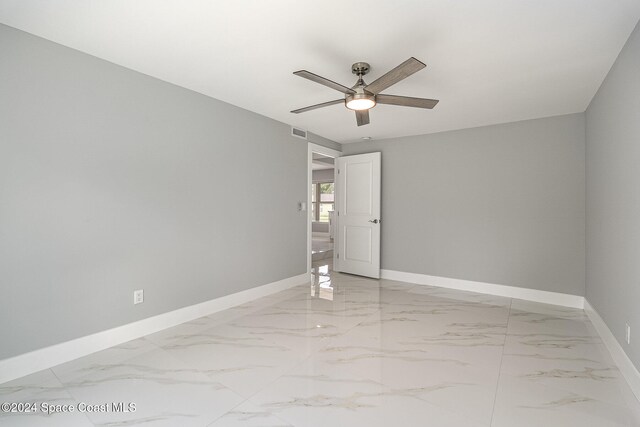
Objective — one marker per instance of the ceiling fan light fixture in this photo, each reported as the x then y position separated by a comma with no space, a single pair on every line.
362,97
360,101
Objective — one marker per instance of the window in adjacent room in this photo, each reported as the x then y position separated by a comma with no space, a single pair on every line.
322,200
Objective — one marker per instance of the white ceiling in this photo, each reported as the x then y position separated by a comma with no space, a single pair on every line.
489,61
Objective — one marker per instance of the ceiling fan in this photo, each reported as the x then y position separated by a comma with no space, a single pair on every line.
362,97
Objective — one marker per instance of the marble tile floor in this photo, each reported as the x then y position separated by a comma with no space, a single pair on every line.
349,351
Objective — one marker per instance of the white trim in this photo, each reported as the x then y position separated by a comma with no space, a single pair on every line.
34,361
315,148
628,370
546,297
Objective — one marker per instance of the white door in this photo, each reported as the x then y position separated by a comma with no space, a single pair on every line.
358,193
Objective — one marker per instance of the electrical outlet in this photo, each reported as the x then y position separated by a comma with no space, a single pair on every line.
138,296
627,334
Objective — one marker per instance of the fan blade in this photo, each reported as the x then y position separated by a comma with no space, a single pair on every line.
313,107
401,72
362,117
406,101
329,83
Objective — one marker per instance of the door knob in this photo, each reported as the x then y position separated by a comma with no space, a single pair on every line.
375,221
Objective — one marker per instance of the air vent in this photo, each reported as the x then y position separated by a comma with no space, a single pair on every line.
299,133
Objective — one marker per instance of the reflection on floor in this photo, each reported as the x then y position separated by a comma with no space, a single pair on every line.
350,351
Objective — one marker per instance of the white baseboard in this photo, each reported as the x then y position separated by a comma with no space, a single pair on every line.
628,370
37,360
546,297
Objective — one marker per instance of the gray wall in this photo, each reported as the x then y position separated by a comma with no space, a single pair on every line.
613,198
112,181
500,204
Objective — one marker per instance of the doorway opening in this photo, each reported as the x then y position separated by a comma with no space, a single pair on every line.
321,203
322,207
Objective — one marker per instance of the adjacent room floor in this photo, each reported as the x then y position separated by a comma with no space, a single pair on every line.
350,351
321,248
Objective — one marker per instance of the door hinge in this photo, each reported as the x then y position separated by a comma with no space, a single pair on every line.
338,171
337,256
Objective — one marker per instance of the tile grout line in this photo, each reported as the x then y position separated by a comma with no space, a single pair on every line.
495,395
75,400
237,406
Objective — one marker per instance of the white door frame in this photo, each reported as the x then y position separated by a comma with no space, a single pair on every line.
315,148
